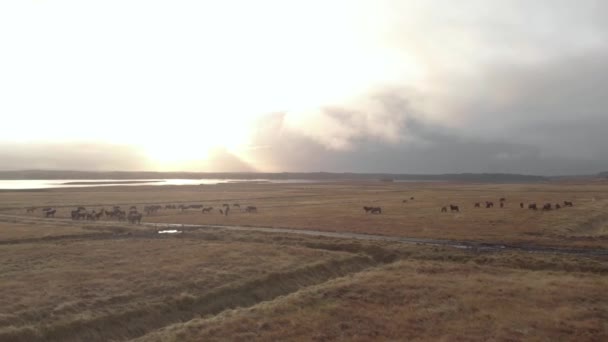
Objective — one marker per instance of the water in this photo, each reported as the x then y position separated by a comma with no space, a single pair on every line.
169,231
75,183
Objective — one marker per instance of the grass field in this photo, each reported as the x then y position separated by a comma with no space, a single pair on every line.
64,280
338,207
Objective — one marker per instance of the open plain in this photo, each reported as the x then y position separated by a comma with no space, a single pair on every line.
220,278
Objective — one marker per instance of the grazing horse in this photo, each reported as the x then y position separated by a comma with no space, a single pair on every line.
134,217
206,210
376,210
412,198
502,199
251,209
50,213
454,208
521,205
151,209
489,204
557,206
547,207
477,205
568,204
532,206
367,209
444,209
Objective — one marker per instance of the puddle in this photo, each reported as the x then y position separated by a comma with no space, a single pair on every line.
169,231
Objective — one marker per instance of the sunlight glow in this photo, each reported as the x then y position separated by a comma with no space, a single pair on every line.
178,80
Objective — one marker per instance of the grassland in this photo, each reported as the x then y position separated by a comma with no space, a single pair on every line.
64,280
338,207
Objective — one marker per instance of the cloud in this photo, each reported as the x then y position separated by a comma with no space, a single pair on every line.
509,86
71,156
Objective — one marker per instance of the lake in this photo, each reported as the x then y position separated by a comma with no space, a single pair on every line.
76,183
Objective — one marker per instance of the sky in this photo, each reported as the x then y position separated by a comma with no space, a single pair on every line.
432,86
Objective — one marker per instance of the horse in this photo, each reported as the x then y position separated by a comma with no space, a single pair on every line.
444,209
557,206
50,213
568,204
404,201
477,205
532,206
134,217
251,209
376,210
521,205
502,199
236,205
454,208
206,210
30,210
489,204
502,204
547,207
367,209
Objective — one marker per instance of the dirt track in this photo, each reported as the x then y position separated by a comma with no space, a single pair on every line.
461,244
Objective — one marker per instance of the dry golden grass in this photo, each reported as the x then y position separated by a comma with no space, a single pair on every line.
338,207
420,300
18,230
57,283
63,280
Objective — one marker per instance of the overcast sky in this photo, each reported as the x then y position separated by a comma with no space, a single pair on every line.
363,86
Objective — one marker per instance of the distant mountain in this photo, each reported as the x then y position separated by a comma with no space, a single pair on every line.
329,176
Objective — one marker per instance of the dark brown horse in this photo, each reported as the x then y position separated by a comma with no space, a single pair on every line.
568,204
134,217
454,208
532,206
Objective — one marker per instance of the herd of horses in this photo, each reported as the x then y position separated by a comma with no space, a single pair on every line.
488,204
502,201
132,215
